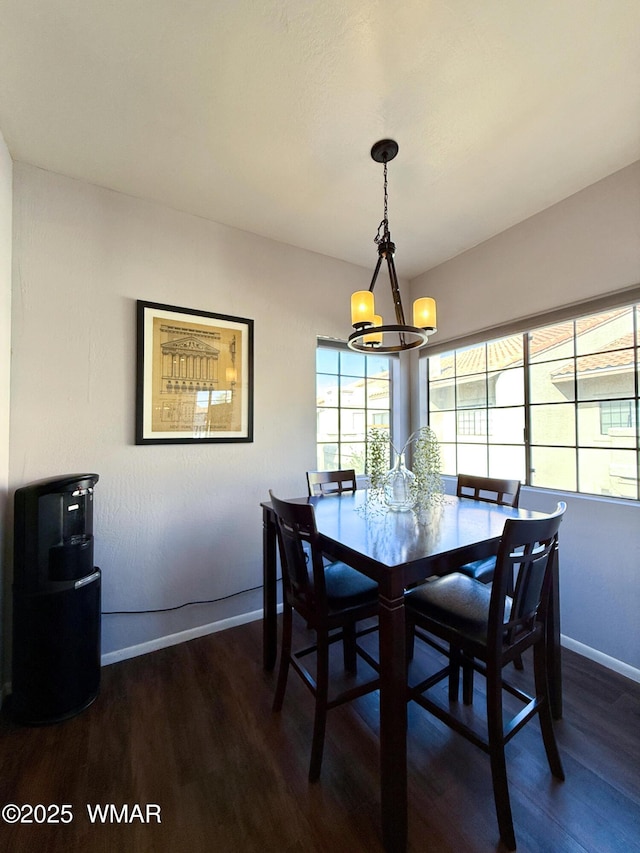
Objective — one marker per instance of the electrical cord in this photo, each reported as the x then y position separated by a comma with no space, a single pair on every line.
180,606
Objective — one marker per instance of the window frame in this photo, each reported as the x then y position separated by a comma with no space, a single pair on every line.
581,446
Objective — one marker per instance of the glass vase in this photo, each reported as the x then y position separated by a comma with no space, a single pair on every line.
398,486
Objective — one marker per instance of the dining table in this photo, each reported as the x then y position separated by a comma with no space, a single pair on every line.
398,550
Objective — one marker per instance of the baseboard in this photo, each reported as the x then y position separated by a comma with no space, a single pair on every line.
212,627
181,637
599,657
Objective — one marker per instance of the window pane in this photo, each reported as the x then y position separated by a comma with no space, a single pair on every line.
471,392
506,426
472,459
507,461
505,352
606,331
471,360
448,459
442,395
608,472
610,423
441,366
551,342
606,375
327,360
378,393
351,391
444,425
353,456
327,424
506,388
326,390
352,363
552,382
555,425
352,425
378,365
554,468
328,459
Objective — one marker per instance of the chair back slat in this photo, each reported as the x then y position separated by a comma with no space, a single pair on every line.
489,489
527,550
331,482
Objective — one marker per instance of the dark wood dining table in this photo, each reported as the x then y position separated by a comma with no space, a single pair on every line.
399,549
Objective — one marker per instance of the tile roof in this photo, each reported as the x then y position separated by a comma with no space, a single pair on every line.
507,352
615,359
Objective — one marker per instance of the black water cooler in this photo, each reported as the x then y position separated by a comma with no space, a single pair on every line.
56,601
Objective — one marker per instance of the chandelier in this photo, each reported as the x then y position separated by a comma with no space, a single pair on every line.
371,333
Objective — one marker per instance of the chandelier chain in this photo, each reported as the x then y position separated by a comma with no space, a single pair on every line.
384,225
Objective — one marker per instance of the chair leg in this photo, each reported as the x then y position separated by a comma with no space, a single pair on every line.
285,657
496,754
320,716
517,662
455,660
467,681
349,648
544,713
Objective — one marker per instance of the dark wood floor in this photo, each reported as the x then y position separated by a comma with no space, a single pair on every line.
190,729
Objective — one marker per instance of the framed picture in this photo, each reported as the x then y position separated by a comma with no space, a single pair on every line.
194,376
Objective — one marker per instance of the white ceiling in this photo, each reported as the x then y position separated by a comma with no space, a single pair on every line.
260,114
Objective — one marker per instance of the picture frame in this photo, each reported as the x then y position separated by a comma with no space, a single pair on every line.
194,376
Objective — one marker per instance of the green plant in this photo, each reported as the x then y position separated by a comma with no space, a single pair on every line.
426,465
378,444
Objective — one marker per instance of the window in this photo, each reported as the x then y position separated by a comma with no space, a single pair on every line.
555,406
472,422
616,414
353,395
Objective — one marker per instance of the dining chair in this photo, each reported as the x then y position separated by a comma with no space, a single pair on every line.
490,490
331,482
332,599
491,627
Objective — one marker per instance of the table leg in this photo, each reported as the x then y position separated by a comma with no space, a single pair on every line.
393,724
269,591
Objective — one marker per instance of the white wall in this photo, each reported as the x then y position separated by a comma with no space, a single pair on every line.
581,248
578,249
6,177
172,523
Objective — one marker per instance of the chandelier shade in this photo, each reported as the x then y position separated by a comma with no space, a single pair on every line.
398,336
362,311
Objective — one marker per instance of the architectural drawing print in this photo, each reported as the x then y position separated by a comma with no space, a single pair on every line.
196,375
